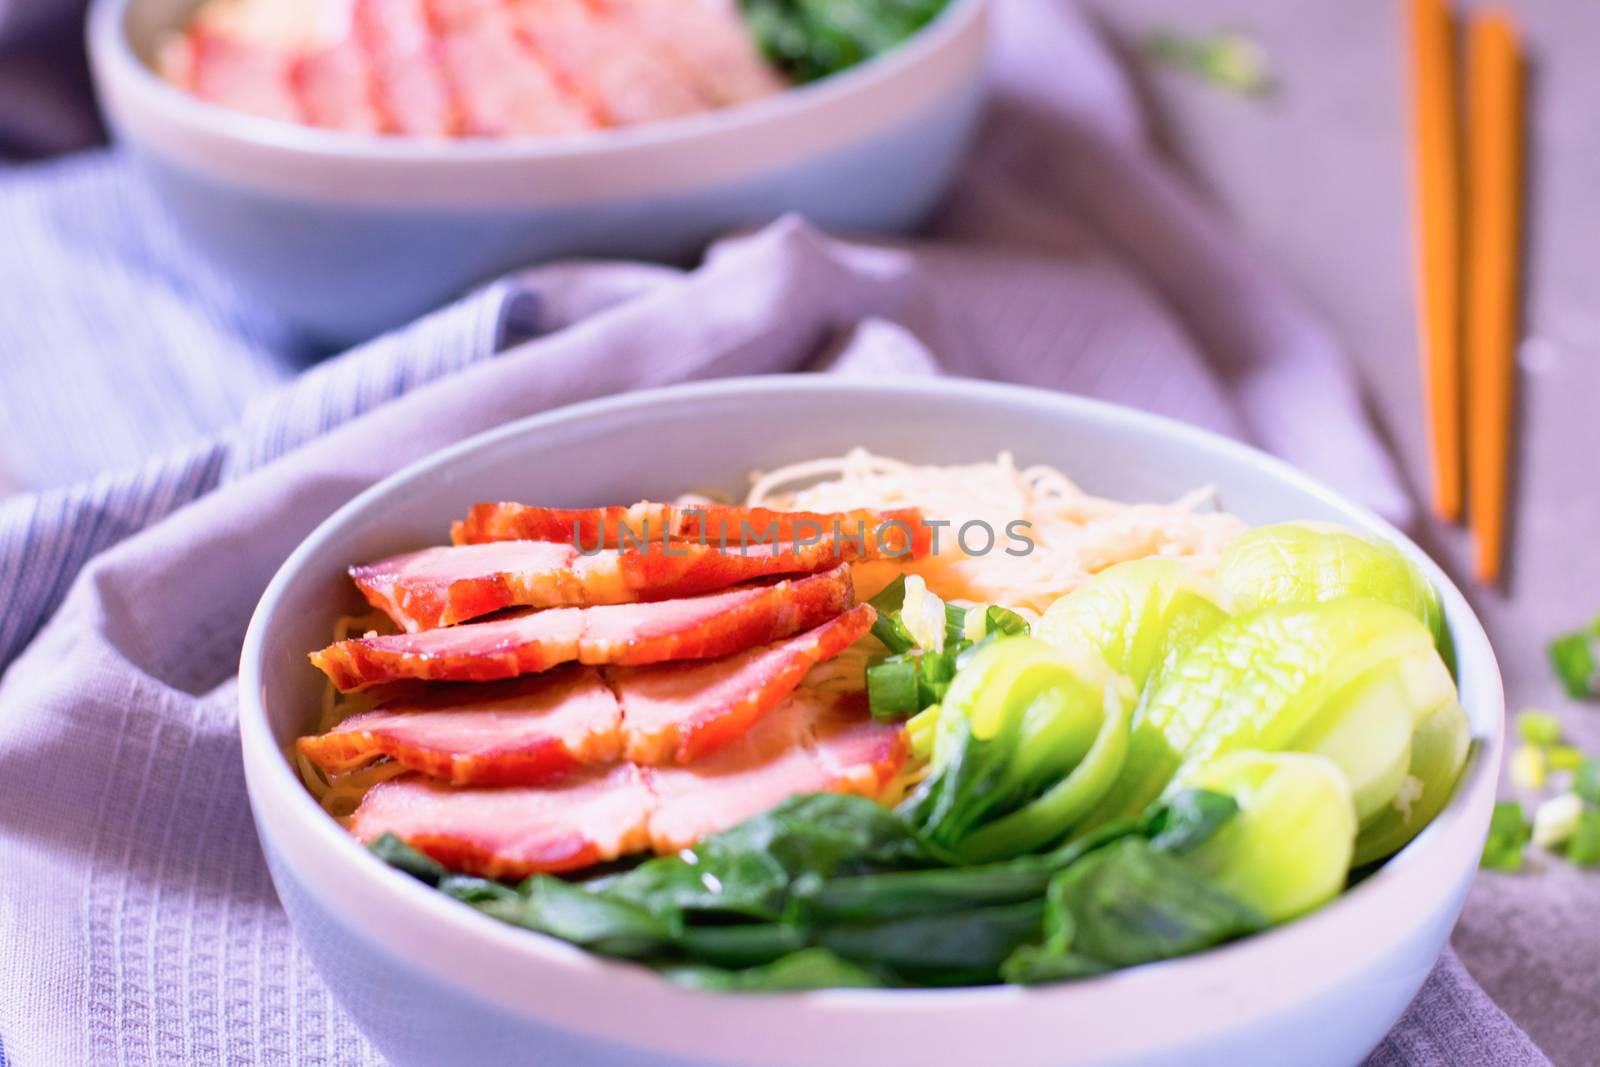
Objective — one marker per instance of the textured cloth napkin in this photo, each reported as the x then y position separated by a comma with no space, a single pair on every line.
139,923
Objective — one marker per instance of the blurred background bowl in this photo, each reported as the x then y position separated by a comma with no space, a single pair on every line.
432,982
347,235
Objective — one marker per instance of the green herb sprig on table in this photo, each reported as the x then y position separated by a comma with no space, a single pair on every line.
1567,823
1227,59
1576,659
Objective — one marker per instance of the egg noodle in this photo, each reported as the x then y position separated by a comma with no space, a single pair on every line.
1075,535
340,793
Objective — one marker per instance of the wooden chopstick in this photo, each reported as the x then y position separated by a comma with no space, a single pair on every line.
1437,170
1495,144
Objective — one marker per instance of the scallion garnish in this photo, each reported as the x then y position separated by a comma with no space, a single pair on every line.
1586,780
1528,767
914,675
1000,620
892,690
1228,59
935,670
1555,819
1508,836
1583,847
1538,727
1576,658
1563,757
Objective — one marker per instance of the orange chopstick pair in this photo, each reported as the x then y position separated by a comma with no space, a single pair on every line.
1468,262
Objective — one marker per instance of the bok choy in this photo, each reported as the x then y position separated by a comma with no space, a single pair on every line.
1028,738
1163,764
1351,679
1138,616
1289,849
1307,562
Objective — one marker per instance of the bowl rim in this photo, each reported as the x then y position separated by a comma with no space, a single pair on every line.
110,50
267,768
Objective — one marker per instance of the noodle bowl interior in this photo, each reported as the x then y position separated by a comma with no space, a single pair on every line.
1007,703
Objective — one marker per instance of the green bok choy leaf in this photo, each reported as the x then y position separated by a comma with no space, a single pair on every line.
1028,738
1139,616
1351,679
1306,563
1288,850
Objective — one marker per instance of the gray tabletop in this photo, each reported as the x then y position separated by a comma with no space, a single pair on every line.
1317,176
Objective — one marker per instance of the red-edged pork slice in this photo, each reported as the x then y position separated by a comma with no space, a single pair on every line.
336,89
512,833
717,624
618,67
813,742
447,585
256,79
587,528
894,534
479,652
410,92
538,728
703,627
708,40
682,712
860,754
502,85
881,534
523,732
841,750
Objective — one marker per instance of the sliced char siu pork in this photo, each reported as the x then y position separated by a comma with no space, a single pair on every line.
542,728
814,742
702,627
900,533
448,585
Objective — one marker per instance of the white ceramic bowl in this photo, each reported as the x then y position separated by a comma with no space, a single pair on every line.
432,981
348,234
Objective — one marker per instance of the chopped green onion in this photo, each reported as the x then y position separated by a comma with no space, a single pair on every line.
935,670
1555,820
1227,59
956,620
892,688
1538,727
1563,757
974,624
889,628
1586,780
904,684
921,729
1583,847
970,625
891,597
924,616
1508,835
892,632
1576,658
1528,767
1000,620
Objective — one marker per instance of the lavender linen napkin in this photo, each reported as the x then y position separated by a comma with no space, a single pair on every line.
139,922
